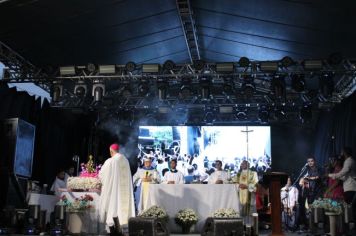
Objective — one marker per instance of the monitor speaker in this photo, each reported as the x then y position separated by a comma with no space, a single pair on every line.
223,226
140,226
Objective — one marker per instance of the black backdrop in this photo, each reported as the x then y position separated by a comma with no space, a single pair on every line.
62,133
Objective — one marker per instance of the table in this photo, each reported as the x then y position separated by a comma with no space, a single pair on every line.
46,202
88,220
202,198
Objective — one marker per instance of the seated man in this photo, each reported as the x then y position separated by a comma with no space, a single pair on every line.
173,176
219,176
141,179
59,183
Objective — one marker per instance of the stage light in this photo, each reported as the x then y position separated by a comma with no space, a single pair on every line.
263,114
298,82
225,109
280,114
91,67
169,65
162,85
225,67
228,86
287,61
305,113
150,68
241,115
198,64
244,62
67,70
164,110
185,90
57,92
80,89
130,66
248,89
269,66
106,69
143,88
205,87
98,91
313,64
278,86
326,85
209,118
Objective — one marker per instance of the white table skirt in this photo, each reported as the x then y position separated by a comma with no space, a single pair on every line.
89,220
202,198
46,202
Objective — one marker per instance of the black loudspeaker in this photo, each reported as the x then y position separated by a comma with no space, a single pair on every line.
223,227
140,226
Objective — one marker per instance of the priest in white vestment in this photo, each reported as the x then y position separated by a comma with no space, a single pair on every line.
142,179
116,199
246,181
219,176
173,176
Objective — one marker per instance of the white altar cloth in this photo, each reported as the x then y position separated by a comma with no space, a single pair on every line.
46,202
202,198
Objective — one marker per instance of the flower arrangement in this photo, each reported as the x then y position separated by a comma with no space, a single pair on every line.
79,183
186,217
155,212
88,169
225,213
328,205
79,204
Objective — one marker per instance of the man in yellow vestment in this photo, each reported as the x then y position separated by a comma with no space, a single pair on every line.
246,181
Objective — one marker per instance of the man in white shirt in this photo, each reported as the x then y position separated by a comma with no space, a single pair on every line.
348,176
59,183
173,176
219,176
142,178
116,204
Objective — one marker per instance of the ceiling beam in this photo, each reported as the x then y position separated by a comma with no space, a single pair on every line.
189,29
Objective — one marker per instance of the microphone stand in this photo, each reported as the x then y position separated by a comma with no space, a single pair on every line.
300,175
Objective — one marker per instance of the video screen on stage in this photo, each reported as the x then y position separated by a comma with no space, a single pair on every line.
200,146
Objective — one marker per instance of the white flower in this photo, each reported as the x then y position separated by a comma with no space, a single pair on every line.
186,217
83,183
225,213
155,212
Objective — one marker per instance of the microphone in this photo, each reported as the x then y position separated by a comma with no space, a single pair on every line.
146,174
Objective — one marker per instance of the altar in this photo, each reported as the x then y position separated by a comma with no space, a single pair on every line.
202,198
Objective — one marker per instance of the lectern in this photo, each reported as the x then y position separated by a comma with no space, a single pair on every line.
275,180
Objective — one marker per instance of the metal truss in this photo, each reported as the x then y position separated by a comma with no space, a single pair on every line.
19,69
189,29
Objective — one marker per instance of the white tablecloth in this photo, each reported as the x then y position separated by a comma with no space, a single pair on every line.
203,198
46,202
89,219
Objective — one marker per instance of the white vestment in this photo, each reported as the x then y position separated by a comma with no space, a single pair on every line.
289,196
218,175
177,177
116,199
141,193
58,184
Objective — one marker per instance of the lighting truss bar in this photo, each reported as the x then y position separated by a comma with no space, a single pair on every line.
189,29
21,69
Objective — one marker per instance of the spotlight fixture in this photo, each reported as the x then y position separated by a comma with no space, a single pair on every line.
57,92
305,113
198,64
241,115
326,85
278,86
143,88
80,89
169,65
287,61
150,68
313,65
225,67
162,85
263,114
298,82
244,62
67,70
91,68
98,91
228,86
185,89
106,69
130,66
226,109
126,91
209,117
269,66
205,87
248,89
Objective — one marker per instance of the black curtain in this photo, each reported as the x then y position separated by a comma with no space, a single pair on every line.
60,134
336,128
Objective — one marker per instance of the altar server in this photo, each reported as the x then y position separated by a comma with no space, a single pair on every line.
173,176
219,176
59,183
